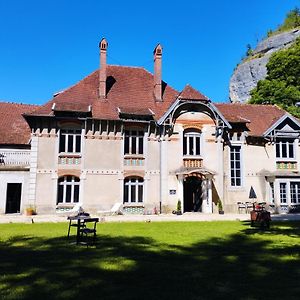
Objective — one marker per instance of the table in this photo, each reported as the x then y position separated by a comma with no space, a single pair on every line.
80,223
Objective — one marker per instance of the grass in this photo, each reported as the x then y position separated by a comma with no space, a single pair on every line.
192,260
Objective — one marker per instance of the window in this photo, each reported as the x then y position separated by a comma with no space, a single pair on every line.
283,193
191,143
70,141
235,166
68,189
133,190
295,192
285,148
134,142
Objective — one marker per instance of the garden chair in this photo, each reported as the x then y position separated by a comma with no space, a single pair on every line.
241,206
115,210
89,228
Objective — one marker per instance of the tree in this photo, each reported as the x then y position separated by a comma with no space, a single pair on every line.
282,83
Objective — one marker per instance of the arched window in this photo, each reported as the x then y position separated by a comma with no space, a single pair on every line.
133,190
191,142
68,189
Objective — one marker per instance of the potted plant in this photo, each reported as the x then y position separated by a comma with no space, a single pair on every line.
220,207
178,210
30,210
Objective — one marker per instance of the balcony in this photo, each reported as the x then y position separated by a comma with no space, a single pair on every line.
194,163
134,160
286,165
69,159
14,159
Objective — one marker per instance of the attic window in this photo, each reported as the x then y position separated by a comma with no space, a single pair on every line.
158,51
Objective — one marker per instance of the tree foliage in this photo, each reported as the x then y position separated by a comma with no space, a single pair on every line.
282,83
291,21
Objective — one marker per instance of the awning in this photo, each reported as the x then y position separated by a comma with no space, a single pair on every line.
196,172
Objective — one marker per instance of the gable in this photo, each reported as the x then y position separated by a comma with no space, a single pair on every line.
286,126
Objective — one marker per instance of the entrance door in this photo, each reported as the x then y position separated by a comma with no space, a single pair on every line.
192,194
13,198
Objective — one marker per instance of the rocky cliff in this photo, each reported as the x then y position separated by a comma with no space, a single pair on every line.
253,68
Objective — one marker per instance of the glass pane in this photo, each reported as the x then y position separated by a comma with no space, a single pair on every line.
68,193
197,145
70,143
69,178
60,194
232,182
191,150
76,193
277,150
140,193
238,182
125,196
133,145
133,194
62,143
284,150
78,143
141,145
184,145
126,145
291,150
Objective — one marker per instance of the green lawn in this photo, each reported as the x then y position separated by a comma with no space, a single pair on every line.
192,260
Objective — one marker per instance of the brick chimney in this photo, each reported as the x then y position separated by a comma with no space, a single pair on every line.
102,71
157,72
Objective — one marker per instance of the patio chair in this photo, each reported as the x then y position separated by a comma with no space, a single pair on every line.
241,206
77,208
115,210
89,228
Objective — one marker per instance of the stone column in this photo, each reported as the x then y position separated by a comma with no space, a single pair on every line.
33,171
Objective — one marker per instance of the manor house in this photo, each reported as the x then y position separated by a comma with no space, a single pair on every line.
122,134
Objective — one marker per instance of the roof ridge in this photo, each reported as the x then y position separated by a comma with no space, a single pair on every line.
18,103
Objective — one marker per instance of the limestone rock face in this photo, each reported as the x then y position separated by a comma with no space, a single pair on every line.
253,69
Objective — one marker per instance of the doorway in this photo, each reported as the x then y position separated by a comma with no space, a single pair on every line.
13,198
192,194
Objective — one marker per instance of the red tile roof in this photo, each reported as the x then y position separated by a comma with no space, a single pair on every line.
128,87
258,117
131,91
189,93
13,127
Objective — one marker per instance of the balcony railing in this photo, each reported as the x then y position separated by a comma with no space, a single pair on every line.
192,162
286,165
15,158
69,159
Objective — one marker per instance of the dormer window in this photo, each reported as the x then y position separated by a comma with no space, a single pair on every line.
192,142
285,148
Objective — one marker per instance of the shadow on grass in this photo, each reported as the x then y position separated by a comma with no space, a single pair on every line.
237,267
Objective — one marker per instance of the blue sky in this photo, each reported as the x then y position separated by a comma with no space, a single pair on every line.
47,46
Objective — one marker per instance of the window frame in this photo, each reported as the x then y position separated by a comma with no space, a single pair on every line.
233,168
68,140
192,145
285,145
134,143
71,186
133,186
